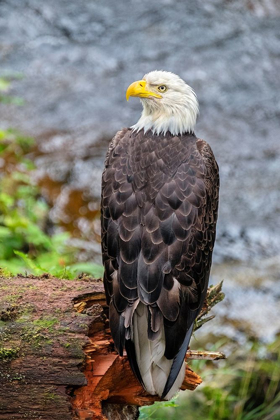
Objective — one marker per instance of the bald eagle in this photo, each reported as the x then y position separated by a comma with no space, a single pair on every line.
160,190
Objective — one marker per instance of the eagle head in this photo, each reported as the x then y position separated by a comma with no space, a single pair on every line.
169,104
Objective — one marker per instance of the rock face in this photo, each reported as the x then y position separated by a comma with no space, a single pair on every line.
77,58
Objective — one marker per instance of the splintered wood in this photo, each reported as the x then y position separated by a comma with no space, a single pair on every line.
110,380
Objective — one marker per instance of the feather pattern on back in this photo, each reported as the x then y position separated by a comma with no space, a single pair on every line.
159,211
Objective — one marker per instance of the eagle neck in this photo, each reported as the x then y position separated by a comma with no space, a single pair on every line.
160,119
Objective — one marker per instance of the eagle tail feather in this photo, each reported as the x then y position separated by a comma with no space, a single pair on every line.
177,364
130,351
117,328
154,368
143,348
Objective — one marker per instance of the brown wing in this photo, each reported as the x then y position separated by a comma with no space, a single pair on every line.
159,212
120,231
195,230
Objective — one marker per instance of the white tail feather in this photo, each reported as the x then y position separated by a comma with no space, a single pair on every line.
153,365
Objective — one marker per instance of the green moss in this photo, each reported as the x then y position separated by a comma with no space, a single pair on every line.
15,312
37,333
17,376
51,396
74,348
8,353
45,323
33,336
10,312
12,298
64,289
4,272
5,287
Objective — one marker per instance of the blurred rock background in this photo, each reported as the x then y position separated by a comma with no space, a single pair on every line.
72,61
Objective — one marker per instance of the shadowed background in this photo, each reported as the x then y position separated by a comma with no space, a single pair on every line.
75,60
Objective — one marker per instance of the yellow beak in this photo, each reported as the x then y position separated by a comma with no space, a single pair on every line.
139,89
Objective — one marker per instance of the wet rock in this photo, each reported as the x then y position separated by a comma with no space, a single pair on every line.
77,58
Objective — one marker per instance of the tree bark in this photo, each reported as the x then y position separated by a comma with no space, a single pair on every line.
57,358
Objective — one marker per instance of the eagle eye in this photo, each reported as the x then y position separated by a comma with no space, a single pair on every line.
162,88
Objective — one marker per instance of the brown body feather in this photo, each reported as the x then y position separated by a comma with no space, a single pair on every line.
159,212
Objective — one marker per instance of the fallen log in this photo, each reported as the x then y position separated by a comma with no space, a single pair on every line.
57,358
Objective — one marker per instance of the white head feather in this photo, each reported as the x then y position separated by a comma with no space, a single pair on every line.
175,112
